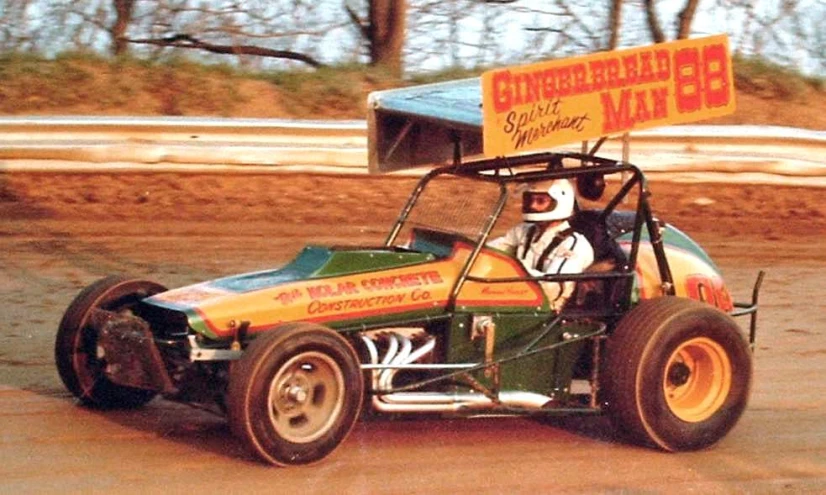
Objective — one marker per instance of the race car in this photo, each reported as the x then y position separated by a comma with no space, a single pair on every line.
437,320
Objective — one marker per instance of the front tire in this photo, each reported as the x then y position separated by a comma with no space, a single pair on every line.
77,356
678,374
295,394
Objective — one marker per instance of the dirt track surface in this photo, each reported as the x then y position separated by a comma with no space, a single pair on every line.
59,232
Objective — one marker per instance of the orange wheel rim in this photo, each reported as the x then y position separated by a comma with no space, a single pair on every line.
697,379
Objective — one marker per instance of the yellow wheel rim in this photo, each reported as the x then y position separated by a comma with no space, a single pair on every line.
697,379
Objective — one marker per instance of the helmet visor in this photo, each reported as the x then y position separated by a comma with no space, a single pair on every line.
537,202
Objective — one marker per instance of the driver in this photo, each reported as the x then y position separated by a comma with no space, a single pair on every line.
545,243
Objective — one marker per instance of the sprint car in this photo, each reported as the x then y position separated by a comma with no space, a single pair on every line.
435,320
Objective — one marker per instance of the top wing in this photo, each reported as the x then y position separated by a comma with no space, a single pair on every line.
421,125
540,106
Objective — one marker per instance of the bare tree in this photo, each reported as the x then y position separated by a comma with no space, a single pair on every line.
387,29
86,25
614,24
31,26
384,32
12,24
572,27
685,18
683,22
777,32
415,35
123,17
292,30
653,22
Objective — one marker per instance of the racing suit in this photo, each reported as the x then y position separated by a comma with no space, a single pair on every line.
557,250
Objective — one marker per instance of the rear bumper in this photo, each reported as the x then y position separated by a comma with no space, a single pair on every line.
750,308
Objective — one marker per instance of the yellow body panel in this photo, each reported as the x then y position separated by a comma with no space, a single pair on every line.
414,288
493,264
693,278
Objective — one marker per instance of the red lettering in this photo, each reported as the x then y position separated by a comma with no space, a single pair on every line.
390,282
633,88
715,75
663,65
701,78
708,289
612,68
502,98
327,290
646,72
548,84
616,118
346,288
660,99
319,291
517,89
631,72
597,68
420,295
580,75
563,81
633,107
641,113
532,86
687,80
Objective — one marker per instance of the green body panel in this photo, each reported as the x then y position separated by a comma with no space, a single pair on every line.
367,260
674,237
198,324
548,372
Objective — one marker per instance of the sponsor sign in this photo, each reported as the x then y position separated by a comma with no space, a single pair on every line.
552,103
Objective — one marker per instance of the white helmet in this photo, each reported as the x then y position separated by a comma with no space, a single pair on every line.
562,199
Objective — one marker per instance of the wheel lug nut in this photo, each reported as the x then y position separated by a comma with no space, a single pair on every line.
297,394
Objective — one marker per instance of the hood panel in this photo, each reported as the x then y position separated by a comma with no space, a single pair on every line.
320,284
313,262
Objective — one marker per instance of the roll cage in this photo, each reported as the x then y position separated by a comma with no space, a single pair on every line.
549,166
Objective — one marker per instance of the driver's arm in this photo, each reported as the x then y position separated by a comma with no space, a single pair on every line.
509,241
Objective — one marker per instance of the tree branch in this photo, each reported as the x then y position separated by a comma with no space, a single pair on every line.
614,24
363,28
653,23
685,17
187,41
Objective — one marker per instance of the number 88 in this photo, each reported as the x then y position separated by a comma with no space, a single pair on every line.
701,79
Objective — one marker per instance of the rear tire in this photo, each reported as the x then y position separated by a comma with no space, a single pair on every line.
78,360
295,394
678,374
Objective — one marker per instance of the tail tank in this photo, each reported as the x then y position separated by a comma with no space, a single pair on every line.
694,273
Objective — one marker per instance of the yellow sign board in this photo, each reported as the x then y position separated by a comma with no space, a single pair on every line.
575,99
